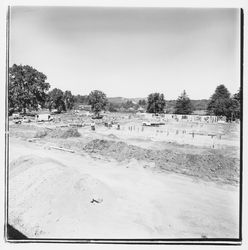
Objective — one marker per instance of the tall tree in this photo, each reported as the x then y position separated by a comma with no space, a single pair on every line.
98,101
219,102
237,96
233,109
222,104
68,100
236,104
27,88
183,105
113,107
56,99
156,103
142,102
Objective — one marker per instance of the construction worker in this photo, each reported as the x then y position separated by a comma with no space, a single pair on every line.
93,128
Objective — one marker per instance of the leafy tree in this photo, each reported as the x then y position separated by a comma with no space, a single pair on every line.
156,103
56,100
98,101
237,96
236,106
233,109
113,107
68,100
27,88
128,104
142,102
183,105
219,101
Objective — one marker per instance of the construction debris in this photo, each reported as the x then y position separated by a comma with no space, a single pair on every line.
63,149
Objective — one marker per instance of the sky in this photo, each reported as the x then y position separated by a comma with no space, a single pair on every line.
129,52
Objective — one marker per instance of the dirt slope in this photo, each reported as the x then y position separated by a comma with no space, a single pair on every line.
58,194
206,166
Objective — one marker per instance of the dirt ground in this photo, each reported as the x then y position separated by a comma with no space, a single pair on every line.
125,183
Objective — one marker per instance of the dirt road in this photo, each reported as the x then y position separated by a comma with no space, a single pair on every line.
55,194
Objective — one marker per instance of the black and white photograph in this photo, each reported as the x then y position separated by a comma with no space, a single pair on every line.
124,124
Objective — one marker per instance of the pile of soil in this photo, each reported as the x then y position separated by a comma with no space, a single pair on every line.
41,133
64,133
58,133
23,130
212,166
30,131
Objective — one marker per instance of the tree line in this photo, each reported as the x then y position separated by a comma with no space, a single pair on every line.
29,90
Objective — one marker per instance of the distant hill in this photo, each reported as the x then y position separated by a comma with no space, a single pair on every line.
200,104
170,104
120,100
197,104
117,100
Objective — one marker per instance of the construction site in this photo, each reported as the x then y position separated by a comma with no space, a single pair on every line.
123,124
123,176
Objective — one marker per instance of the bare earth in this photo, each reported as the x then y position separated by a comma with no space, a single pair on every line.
97,194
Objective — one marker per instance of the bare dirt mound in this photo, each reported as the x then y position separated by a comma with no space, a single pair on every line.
33,131
44,192
26,162
93,190
64,133
57,195
23,130
209,166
